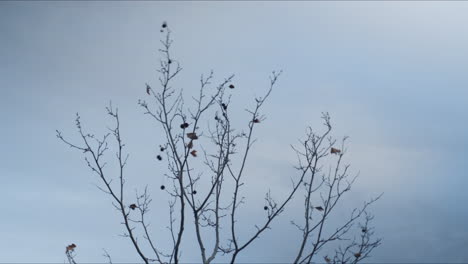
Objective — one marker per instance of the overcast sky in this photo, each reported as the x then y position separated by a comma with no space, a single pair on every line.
391,74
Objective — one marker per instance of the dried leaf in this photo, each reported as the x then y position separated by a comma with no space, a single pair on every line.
335,151
192,136
70,247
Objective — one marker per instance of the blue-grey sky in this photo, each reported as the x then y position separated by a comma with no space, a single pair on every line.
391,74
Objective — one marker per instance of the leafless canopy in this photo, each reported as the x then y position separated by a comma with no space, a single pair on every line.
321,179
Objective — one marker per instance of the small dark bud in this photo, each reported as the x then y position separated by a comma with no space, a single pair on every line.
169,61
184,125
148,89
159,157
133,206
163,187
256,120
265,208
194,191
224,106
164,25
231,86
162,149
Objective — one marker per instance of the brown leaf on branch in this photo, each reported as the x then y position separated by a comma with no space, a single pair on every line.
190,144
193,153
133,206
192,136
320,208
335,151
70,247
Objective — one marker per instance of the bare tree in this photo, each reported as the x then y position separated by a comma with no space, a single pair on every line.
225,152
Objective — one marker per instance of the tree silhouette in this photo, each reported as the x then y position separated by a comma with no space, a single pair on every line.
183,128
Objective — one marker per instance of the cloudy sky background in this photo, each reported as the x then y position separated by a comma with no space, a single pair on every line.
391,74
